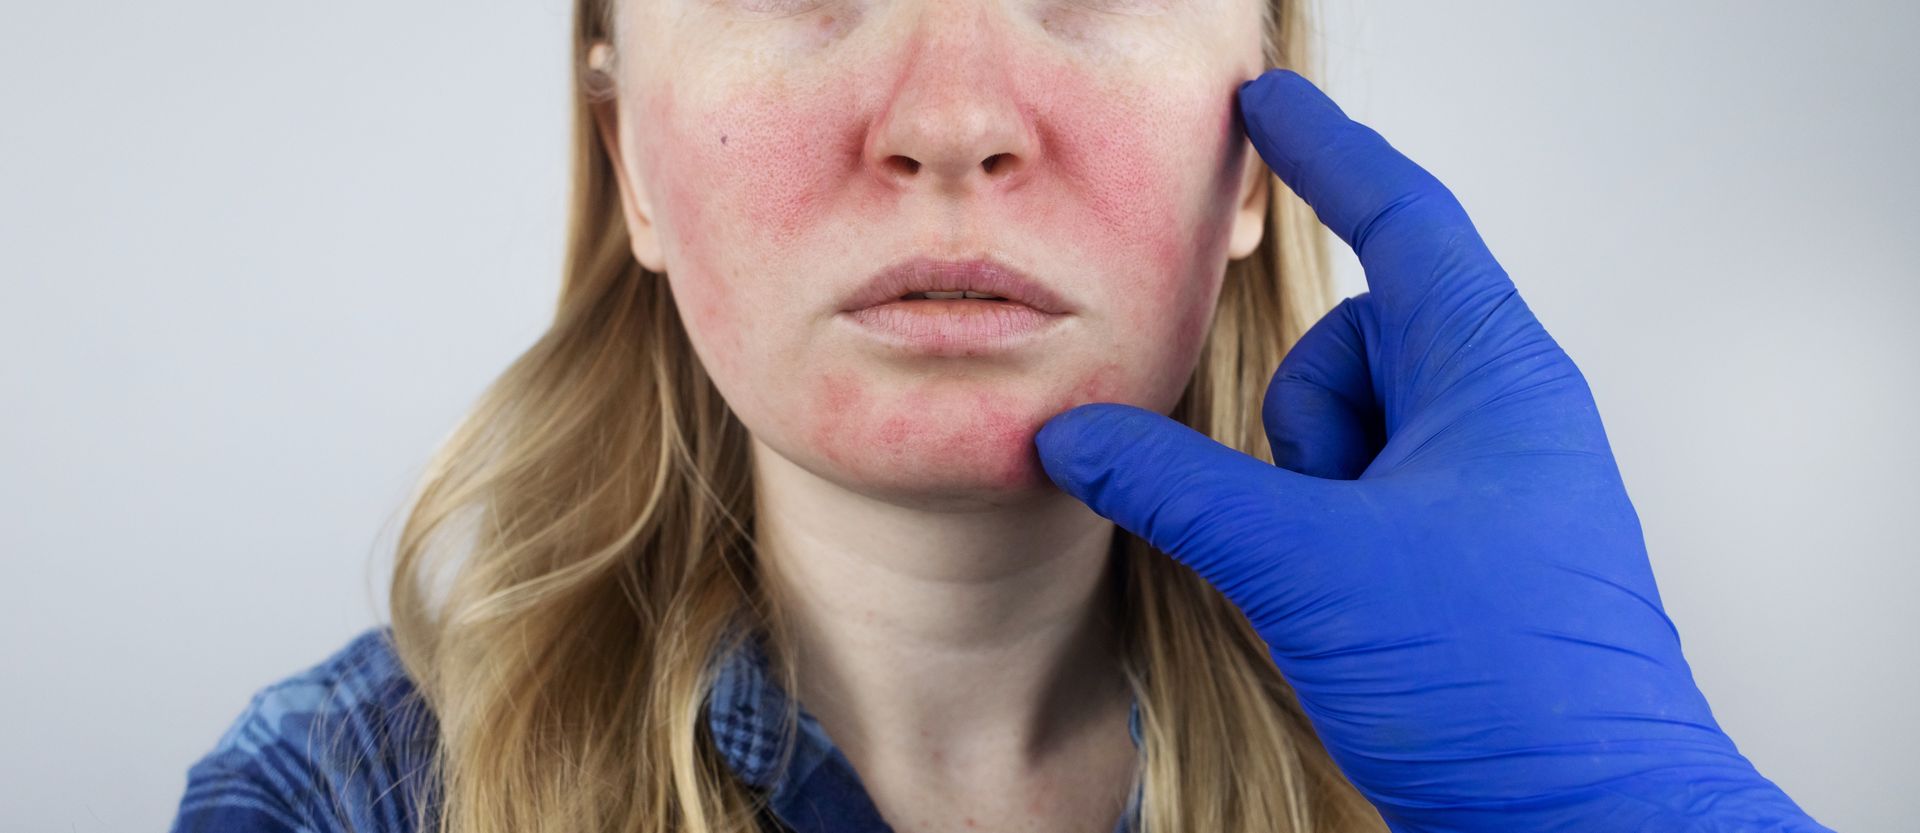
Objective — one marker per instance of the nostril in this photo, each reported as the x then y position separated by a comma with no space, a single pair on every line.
997,165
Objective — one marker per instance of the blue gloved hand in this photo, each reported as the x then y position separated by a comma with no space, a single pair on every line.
1444,562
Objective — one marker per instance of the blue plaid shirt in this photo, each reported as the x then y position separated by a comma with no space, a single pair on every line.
341,742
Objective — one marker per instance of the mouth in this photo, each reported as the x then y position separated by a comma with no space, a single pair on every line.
950,296
944,282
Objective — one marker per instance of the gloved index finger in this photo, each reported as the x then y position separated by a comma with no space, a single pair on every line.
1408,229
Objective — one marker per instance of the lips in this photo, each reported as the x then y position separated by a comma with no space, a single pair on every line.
984,276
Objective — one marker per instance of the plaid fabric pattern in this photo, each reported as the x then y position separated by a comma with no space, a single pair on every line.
343,747
340,746
743,712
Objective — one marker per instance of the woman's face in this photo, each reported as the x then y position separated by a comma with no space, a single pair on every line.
776,154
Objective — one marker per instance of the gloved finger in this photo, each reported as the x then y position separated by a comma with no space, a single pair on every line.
1321,411
1407,228
1186,494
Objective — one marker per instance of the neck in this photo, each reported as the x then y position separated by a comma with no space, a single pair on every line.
965,640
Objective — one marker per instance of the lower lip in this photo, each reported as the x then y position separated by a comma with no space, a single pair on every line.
955,327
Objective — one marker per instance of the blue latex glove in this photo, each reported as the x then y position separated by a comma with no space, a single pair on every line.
1444,563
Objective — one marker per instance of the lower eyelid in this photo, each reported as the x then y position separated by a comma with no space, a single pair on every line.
770,9
1119,8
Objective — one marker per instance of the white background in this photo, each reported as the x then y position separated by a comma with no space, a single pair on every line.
259,257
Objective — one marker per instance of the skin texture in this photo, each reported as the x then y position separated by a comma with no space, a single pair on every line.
772,155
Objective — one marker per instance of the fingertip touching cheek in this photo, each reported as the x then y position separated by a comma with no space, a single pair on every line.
790,154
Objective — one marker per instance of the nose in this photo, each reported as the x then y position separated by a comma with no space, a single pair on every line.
954,122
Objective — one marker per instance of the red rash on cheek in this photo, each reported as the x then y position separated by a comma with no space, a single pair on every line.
1110,148
783,160
702,288
1211,240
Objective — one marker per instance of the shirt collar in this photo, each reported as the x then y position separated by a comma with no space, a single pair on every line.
744,712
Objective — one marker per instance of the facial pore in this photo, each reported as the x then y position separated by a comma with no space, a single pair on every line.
779,152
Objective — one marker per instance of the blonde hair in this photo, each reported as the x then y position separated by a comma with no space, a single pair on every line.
581,548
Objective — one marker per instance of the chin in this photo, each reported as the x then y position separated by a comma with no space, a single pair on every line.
978,477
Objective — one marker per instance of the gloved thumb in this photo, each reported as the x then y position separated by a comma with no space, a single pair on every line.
1189,496
1321,410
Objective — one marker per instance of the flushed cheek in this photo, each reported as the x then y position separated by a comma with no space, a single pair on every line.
699,242
1171,288
782,158
1121,183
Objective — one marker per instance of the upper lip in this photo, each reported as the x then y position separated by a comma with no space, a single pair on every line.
928,274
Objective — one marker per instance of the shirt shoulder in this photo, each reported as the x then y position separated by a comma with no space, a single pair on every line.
339,747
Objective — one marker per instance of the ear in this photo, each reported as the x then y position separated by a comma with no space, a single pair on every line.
1250,219
642,235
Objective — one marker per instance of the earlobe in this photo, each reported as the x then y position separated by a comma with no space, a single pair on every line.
1250,218
642,235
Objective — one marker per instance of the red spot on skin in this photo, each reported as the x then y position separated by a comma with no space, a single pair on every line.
832,26
893,432
1098,386
970,822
